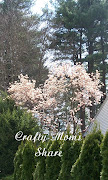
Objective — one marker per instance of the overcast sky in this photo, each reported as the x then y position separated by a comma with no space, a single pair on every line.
39,4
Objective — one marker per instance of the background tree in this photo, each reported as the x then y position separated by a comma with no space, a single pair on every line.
80,35
20,42
85,21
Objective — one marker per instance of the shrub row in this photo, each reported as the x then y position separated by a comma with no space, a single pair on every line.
47,168
78,161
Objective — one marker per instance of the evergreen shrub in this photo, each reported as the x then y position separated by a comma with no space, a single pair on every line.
88,165
24,162
53,164
70,153
104,151
12,120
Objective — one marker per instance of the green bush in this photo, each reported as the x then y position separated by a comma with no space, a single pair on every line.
104,152
12,120
8,178
53,164
28,164
40,169
18,160
70,152
24,162
88,165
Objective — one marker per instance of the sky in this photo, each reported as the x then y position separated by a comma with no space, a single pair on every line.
39,4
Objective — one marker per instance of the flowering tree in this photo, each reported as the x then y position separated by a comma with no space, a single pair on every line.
67,89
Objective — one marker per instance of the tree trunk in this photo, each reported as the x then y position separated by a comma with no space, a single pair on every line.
82,110
104,70
80,49
82,116
91,61
90,70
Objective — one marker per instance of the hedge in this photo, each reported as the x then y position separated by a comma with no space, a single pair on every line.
88,165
